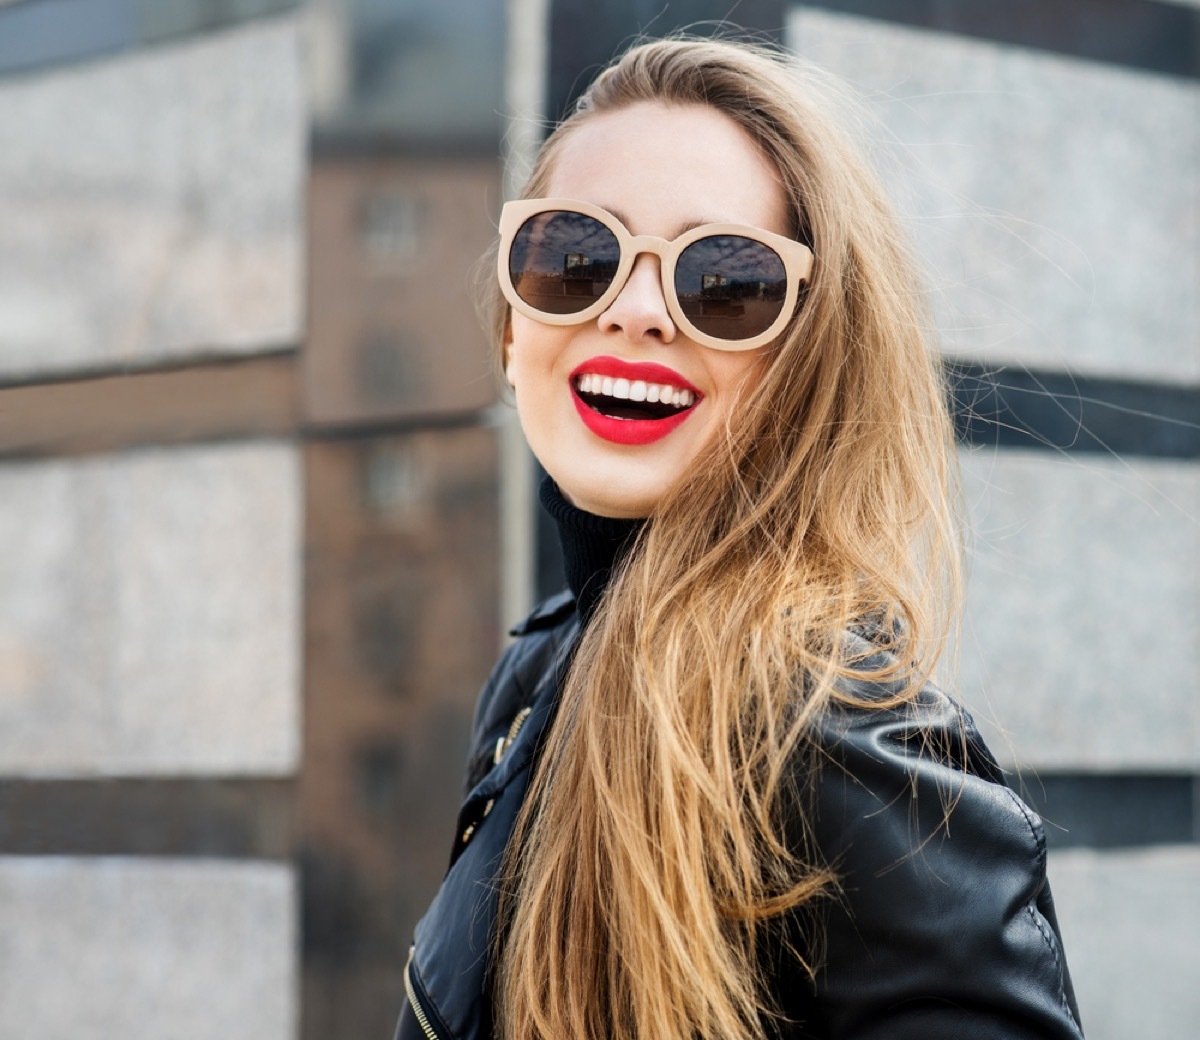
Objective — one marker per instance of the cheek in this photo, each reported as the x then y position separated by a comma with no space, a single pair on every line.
532,349
736,375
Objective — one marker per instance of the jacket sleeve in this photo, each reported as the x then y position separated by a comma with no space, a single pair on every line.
943,926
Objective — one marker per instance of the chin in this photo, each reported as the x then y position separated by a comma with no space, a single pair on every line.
611,502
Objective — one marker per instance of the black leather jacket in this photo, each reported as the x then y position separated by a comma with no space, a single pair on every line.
944,928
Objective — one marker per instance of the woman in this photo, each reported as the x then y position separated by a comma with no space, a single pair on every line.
711,792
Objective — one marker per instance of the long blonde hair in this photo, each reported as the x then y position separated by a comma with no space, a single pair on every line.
665,832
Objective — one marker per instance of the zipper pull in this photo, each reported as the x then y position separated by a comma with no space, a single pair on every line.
505,742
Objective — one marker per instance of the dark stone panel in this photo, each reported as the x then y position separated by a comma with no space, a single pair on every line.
1010,407
585,35
1116,810
1140,34
224,818
367,430
345,141
172,403
37,34
50,32
168,19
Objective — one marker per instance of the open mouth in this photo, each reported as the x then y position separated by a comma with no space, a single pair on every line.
631,403
632,399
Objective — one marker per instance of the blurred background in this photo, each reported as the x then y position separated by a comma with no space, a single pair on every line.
264,522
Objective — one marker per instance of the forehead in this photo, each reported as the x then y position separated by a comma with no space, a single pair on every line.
663,167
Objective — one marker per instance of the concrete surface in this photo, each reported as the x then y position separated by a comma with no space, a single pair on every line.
172,949
1079,647
1055,199
150,612
1129,921
152,203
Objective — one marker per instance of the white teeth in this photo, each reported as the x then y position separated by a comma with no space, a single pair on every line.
636,390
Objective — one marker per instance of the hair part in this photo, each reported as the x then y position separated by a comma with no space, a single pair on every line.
666,829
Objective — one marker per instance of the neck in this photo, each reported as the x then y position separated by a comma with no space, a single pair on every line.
593,547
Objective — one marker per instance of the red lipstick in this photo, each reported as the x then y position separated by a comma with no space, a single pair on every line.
633,431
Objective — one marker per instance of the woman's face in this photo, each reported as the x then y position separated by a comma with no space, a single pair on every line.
661,170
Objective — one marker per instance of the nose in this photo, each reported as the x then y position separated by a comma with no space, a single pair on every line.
640,311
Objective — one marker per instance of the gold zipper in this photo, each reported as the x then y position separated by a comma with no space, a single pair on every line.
503,744
418,1011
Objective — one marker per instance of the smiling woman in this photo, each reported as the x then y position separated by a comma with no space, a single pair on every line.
712,791
670,171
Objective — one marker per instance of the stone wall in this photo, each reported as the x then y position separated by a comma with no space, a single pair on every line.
151,529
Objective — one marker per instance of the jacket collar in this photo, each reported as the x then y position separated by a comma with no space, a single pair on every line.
547,614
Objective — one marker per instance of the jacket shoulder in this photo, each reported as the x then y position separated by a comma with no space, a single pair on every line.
522,673
550,612
943,926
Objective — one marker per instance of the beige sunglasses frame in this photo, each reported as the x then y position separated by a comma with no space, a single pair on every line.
797,262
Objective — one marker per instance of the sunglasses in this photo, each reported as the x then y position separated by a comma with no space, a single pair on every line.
726,286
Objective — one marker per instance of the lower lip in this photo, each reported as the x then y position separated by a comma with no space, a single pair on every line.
627,431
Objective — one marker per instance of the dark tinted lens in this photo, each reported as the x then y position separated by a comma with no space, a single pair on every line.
562,262
730,287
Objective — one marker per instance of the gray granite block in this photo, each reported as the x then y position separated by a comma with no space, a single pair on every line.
1078,647
150,612
116,948
1130,921
152,204
1053,200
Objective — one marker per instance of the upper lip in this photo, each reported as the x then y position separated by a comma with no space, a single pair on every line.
647,371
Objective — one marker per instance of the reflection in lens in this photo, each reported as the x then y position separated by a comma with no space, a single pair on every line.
562,262
730,287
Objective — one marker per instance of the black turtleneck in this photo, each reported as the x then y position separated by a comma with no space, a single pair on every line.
592,546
